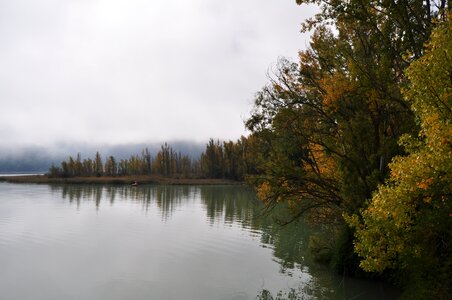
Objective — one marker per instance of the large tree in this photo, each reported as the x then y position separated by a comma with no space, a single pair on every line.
328,125
408,224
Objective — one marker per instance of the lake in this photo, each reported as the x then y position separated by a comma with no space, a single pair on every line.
157,242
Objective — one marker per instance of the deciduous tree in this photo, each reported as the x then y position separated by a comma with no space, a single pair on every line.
408,224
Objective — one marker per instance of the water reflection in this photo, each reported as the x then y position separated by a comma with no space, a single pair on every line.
230,205
237,207
166,198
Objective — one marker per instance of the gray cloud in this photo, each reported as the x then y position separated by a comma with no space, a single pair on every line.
131,71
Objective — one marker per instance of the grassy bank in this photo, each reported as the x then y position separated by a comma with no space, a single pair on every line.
141,179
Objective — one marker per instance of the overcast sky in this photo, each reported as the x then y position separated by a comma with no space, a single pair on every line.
133,71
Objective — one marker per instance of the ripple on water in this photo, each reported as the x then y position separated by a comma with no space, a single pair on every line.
170,243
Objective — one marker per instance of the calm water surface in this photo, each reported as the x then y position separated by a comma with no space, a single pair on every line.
155,242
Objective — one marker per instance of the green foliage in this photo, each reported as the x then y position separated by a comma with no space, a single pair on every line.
408,223
212,160
330,126
230,160
98,165
111,166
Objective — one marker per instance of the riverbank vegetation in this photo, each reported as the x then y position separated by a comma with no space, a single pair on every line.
357,135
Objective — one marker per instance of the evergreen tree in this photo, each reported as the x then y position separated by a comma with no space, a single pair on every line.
98,165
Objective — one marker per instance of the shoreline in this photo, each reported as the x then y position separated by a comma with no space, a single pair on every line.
141,179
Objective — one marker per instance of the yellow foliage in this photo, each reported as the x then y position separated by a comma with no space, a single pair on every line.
263,191
418,190
335,87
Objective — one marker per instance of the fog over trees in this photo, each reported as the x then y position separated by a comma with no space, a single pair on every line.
38,159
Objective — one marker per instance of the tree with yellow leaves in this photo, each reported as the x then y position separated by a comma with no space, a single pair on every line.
408,224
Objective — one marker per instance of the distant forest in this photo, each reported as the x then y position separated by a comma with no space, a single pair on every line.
226,160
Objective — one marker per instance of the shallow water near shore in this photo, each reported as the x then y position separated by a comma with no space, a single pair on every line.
156,242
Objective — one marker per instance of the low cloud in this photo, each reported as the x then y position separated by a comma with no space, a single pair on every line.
135,71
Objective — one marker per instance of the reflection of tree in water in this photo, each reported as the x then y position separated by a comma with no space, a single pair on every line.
238,205
230,205
291,251
235,205
289,243
169,198
79,193
166,198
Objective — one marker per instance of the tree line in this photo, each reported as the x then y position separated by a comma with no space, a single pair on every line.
220,160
